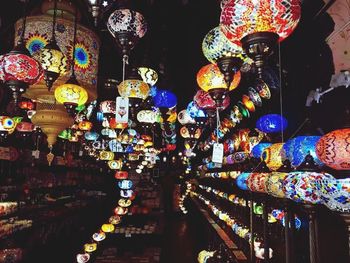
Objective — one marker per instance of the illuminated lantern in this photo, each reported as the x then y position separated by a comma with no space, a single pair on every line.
147,116
108,106
85,125
241,181
25,126
99,236
126,193
148,75
115,220
91,136
106,155
194,111
164,99
271,123
259,148
133,88
127,27
248,103
90,247
184,118
297,148
124,202
210,79
254,95
273,156
107,228
258,25
83,258
256,182
120,175
120,211
274,184
115,164
333,149
125,184
204,101
71,94
301,186
26,104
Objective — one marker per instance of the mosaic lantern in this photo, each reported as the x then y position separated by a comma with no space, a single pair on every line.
257,182
124,202
241,181
125,184
83,258
273,156
147,116
98,237
274,185
121,175
204,101
107,228
71,94
148,75
90,247
271,123
184,118
165,99
115,164
133,88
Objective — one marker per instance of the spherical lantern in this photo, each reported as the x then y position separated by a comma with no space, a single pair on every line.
148,75
127,27
115,220
241,181
271,123
124,202
108,106
204,101
125,184
126,193
297,148
71,94
333,149
85,125
115,164
301,186
107,228
25,127
90,247
147,116
119,211
258,25
165,99
257,182
106,155
274,184
133,88
121,175
273,156
259,148
98,237
83,258
194,111
91,136
184,118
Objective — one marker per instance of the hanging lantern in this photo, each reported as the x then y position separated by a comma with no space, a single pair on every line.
258,25
121,175
90,247
107,228
120,211
274,184
257,182
71,94
147,116
98,237
204,101
83,258
241,181
115,220
25,127
148,75
127,27
133,88
115,164
125,184
184,118
91,136
124,202
108,107
271,123
127,193
26,104
106,155
85,125
195,112
333,149
259,148
165,99
273,156
210,79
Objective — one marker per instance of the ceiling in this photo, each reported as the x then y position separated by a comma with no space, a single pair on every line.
172,46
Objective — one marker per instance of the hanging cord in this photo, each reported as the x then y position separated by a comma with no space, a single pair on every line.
125,61
53,37
21,40
74,40
281,95
217,124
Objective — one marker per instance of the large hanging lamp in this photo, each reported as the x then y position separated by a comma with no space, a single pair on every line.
52,59
18,69
259,25
71,94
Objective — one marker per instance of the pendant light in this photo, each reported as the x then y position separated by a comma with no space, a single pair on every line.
18,69
52,59
71,94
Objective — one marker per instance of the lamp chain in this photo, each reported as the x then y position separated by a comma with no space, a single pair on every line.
281,97
54,20
125,61
74,39
21,40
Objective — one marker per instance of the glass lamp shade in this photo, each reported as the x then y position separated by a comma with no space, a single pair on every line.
241,181
121,210
106,155
124,202
257,182
70,93
333,149
194,111
25,126
107,228
18,67
125,184
7,123
273,156
204,101
301,186
248,103
190,132
297,148
90,247
133,88
108,106
259,148
115,164
115,220
184,118
126,193
271,123
91,136
26,104
83,258
242,17
121,175
147,116
148,75
126,26
274,184
165,99
209,78
98,237
85,125
335,193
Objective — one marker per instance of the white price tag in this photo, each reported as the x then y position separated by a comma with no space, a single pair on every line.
36,154
122,110
218,153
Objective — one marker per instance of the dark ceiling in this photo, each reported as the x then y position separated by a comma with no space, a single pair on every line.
172,46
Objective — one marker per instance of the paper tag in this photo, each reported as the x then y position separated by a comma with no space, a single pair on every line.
36,154
218,153
122,110
80,153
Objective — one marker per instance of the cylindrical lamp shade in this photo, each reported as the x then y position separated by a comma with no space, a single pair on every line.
242,17
209,77
333,149
273,156
301,186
